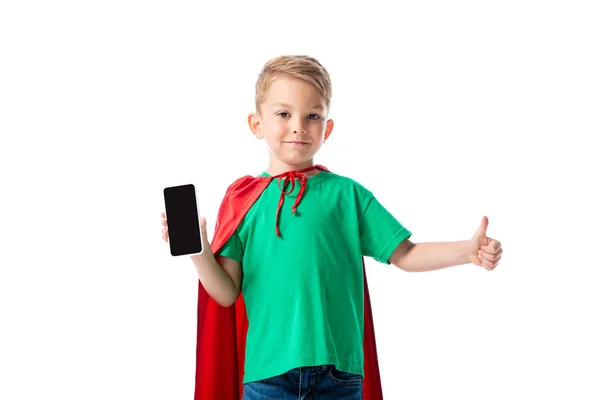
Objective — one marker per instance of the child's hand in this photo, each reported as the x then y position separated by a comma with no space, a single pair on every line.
482,250
165,230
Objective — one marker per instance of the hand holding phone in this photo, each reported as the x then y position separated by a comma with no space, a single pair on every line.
165,229
184,232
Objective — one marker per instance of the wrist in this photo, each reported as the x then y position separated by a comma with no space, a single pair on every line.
465,252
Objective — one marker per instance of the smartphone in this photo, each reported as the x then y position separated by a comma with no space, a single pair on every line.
183,220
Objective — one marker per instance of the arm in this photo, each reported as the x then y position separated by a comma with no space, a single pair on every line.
419,257
221,276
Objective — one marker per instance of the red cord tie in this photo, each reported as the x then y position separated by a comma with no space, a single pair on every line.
288,177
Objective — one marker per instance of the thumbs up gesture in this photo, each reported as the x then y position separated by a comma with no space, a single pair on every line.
482,250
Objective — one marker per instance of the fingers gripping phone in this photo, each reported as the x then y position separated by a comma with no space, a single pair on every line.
183,220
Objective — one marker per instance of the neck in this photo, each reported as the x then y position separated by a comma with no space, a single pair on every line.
277,168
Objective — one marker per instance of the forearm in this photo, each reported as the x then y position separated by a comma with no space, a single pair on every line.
432,256
215,279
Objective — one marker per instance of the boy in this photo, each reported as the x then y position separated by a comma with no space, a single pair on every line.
296,252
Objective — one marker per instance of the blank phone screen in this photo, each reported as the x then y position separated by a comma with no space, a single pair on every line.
182,220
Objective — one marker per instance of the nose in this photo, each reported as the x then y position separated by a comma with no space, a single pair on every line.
298,125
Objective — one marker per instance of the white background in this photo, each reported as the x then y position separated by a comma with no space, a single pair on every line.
447,111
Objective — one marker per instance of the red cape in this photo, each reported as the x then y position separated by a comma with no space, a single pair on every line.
222,330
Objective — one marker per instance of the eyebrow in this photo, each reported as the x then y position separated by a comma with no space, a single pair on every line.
318,106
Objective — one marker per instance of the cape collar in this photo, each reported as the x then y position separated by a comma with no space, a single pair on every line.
283,180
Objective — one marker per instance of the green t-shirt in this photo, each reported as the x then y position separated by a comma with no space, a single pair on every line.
304,291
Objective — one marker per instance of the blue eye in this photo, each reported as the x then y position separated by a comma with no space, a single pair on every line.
314,116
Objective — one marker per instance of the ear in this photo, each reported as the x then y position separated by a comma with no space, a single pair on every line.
328,129
255,124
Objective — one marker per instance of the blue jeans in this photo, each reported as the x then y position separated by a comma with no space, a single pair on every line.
324,382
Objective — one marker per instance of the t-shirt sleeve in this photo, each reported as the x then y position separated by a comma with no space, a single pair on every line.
380,232
232,248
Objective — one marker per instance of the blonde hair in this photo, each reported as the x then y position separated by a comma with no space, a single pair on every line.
304,68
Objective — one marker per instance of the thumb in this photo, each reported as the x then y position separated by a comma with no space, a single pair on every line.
203,224
482,231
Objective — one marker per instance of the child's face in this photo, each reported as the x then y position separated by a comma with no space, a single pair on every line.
293,121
